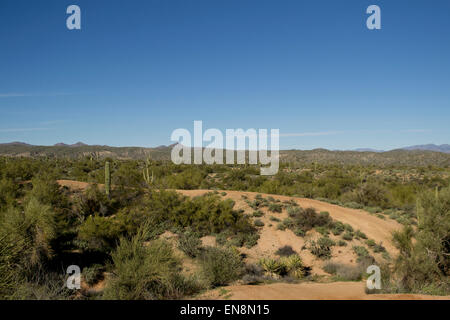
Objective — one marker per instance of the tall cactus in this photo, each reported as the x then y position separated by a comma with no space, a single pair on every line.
146,173
107,179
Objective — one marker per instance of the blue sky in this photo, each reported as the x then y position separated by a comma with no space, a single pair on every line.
137,70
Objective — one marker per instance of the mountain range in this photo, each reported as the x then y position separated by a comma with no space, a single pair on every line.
420,155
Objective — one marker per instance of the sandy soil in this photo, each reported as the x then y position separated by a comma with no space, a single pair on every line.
271,239
308,291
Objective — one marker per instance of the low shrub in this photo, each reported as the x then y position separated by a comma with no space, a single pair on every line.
190,243
322,247
299,232
92,274
360,234
148,271
348,236
259,223
338,228
275,207
343,272
274,219
258,213
220,266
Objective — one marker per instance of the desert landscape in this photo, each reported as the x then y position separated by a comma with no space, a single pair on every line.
218,243
220,158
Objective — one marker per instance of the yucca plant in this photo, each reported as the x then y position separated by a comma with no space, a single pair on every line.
273,267
294,266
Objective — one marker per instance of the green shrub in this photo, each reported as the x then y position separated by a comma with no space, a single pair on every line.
338,228
360,234
259,223
361,252
322,247
323,230
293,211
281,226
371,243
92,274
220,266
348,227
275,207
299,232
190,244
98,234
353,205
146,271
379,248
258,213
343,272
348,236
342,243
274,219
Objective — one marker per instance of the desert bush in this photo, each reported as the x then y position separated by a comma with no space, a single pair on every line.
361,252
274,219
189,242
146,271
342,243
360,234
425,263
253,274
275,207
343,272
258,213
348,236
47,191
370,242
338,228
379,248
299,232
9,191
33,230
293,211
98,234
322,247
348,227
92,274
220,266
91,202
259,223
323,230
353,205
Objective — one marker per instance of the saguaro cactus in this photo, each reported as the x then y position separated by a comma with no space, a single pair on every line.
107,179
146,173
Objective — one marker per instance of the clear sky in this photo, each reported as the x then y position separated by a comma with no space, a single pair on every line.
137,70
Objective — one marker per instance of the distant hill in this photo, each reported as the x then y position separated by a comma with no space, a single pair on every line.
367,150
407,157
430,147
